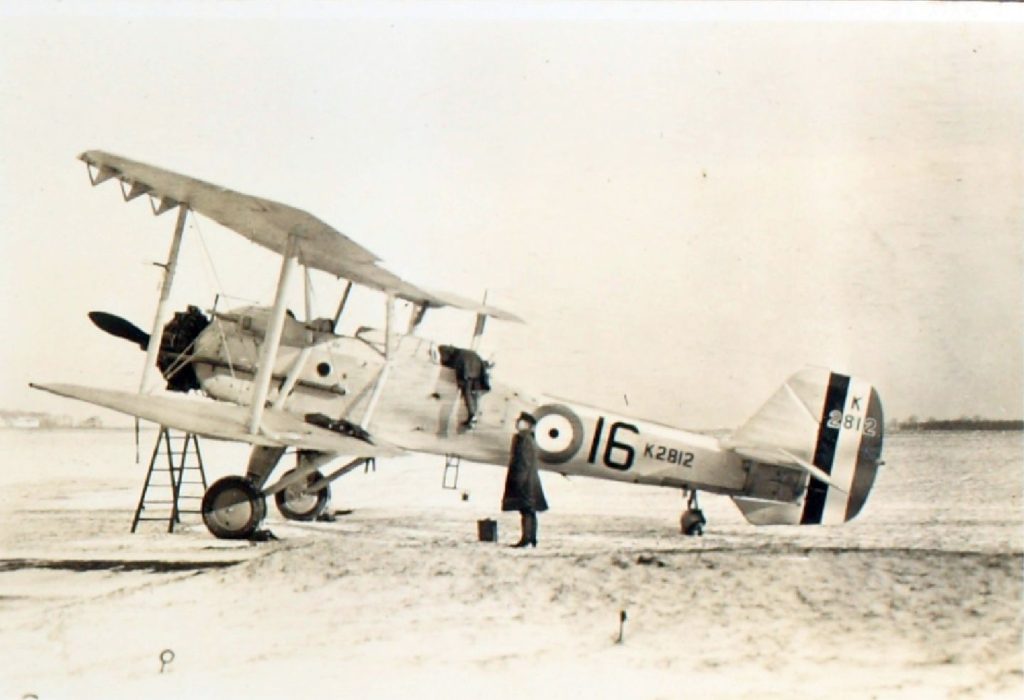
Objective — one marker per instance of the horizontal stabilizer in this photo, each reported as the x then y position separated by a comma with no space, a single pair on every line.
223,421
778,456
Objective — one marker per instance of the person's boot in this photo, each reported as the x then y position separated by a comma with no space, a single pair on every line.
533,529
524,538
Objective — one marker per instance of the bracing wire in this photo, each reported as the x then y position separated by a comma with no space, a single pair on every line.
211,270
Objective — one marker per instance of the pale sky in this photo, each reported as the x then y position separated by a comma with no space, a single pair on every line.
687,203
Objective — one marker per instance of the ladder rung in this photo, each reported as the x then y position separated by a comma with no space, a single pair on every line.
171,455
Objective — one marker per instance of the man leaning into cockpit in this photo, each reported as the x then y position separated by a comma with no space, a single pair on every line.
470,376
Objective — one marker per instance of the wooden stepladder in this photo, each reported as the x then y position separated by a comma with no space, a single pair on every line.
179,458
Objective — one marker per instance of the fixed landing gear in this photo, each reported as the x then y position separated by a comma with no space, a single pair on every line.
233,508
295,502
692,521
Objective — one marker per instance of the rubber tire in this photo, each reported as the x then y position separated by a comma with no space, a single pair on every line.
323,496
692,523
237,492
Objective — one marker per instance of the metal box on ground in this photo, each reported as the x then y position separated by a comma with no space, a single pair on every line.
487,530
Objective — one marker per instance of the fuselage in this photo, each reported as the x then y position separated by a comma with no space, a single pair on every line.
413,401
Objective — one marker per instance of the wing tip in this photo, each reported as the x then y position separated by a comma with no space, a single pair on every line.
63,390
91,155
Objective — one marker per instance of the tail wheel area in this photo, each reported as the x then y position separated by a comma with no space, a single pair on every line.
296,502
233,508
692,522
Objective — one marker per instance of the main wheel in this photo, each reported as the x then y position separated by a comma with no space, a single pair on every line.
296,503
233,508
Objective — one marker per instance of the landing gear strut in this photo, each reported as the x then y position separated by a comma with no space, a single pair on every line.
234,506
692,521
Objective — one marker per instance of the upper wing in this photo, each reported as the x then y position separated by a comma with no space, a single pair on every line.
269,224
439,298
224,421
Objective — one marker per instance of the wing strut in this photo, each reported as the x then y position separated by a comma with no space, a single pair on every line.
308,282
382,378
272,338
341,306
416,318
161,309
478,329
293,377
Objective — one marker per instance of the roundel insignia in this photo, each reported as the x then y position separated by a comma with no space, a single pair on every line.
559,433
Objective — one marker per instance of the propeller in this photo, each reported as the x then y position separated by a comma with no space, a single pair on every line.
177,343
120,328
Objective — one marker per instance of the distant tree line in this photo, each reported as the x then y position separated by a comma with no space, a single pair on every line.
38,419
962,423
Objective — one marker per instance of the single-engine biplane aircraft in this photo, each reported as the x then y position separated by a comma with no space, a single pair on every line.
808,456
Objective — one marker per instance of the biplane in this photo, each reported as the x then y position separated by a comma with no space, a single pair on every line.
261,376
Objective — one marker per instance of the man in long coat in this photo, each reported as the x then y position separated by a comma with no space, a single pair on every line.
523,491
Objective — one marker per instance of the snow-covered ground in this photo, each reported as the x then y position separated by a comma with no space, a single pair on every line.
919,597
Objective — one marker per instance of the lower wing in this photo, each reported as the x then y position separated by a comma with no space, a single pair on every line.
225,421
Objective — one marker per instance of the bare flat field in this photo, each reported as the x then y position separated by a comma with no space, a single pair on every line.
919,597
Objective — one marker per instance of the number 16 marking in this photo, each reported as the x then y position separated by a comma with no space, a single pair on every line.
626,454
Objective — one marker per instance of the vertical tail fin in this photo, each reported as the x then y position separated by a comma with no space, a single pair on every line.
819,425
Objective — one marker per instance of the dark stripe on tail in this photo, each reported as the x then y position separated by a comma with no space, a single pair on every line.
825,449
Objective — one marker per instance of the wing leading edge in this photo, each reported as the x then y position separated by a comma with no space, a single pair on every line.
270,224
224,421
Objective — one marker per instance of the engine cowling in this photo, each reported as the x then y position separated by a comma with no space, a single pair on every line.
177,343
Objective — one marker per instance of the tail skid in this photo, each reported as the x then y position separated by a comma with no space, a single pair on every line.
812,451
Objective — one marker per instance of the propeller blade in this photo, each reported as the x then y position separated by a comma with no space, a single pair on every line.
119,327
